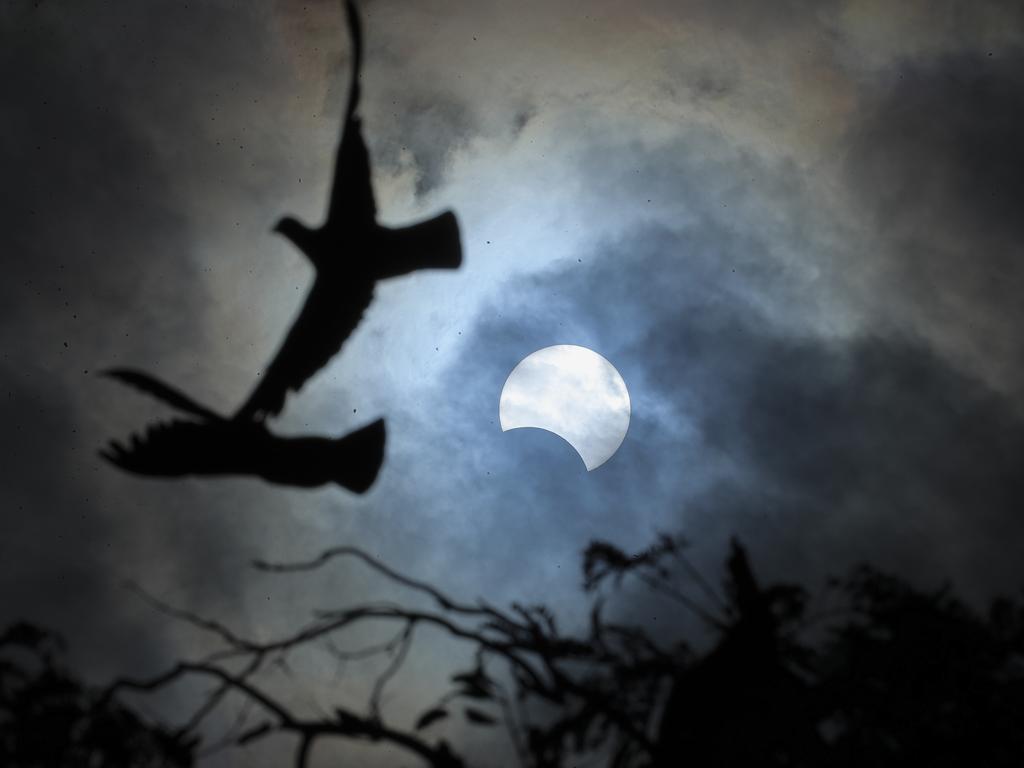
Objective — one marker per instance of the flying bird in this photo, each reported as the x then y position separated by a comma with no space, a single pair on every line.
349,253
210,444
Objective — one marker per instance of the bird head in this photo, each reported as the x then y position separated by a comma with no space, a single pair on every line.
297,232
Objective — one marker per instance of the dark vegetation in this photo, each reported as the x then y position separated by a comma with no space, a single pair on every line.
884,675
49,718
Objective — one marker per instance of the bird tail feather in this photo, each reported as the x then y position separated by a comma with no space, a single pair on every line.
359,457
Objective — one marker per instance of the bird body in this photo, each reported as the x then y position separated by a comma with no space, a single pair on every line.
349,253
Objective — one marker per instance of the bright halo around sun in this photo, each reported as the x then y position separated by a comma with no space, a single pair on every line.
573,392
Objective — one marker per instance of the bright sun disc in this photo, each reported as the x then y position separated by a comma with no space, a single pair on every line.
573,392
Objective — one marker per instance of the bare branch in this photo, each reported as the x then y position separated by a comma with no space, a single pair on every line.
346,724
443,600
404,641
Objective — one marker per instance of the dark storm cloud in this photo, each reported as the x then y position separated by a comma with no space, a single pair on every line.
935,159
431,128
819,450
77,224
49,516
98,247
82,187
754,19
939,146
870,449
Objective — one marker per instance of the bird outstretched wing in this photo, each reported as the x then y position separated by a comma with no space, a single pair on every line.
178,447
326,320
431,244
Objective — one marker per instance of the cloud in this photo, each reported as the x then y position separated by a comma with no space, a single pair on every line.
100,235
821,449
932,160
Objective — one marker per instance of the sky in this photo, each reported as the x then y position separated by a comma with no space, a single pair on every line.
793,228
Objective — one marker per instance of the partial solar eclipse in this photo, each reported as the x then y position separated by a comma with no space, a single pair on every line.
573,392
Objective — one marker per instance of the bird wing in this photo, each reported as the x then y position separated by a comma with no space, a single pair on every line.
153,387
352,199
431,244
331,312
176,448
351,461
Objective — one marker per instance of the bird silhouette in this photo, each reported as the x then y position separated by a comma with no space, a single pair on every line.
210,444
349,252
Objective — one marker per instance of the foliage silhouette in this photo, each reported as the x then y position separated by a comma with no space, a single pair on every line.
50,719
888,676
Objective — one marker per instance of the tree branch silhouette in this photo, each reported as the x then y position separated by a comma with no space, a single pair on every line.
891,675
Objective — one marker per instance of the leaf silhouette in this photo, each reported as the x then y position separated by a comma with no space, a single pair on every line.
430,717
474,685
479,717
